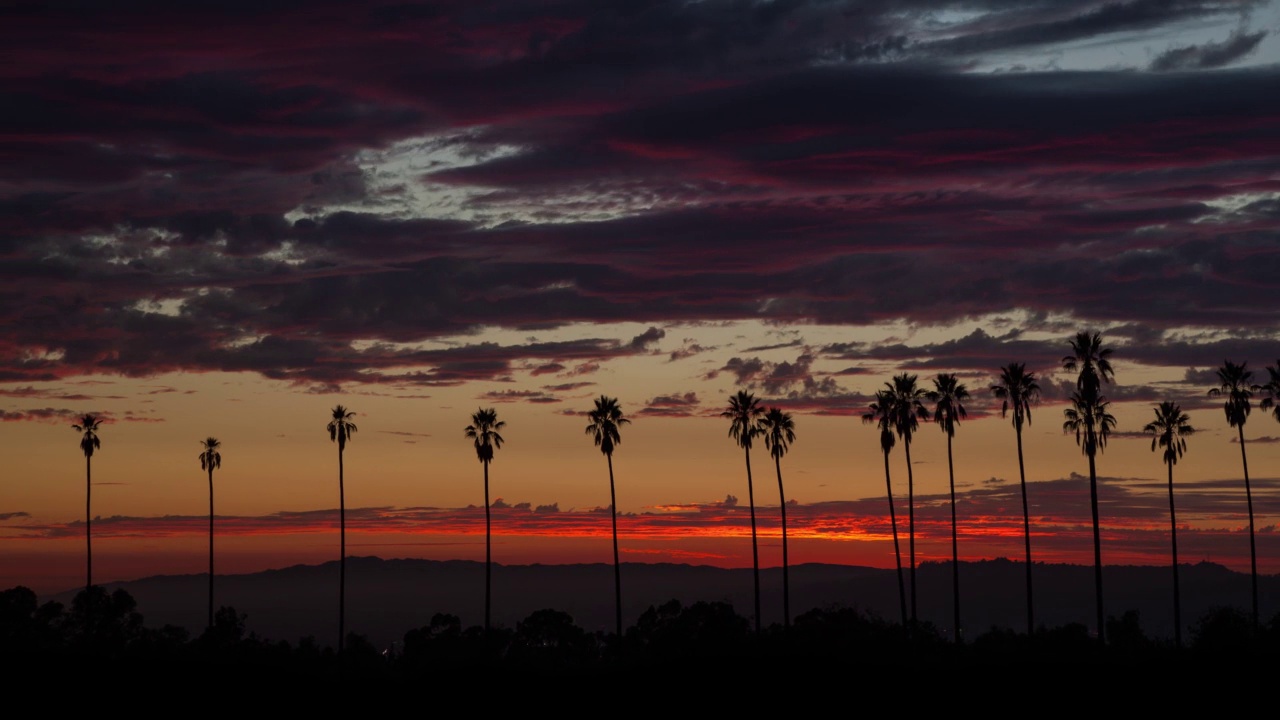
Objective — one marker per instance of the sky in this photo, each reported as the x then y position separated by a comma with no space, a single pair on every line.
223,219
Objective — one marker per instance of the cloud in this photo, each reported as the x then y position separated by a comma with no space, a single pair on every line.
1210,54
678,405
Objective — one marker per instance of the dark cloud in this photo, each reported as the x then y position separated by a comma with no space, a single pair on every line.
678,405
1210,54
173,199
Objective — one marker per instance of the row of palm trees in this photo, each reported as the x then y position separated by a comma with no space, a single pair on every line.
897,411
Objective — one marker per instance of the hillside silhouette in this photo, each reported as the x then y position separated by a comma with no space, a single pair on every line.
386,597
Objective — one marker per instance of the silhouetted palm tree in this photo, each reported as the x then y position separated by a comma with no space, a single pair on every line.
606,419
483,430
1169,431
1091,422
1271,389
948,396
210,459
1233,384
779,432
89,441
1091,359
908,411
744,413
880,412
1017,389
340,430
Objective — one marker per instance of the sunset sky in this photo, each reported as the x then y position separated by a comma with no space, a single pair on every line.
223,219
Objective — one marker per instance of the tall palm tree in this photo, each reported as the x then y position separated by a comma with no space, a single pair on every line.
606,419
1169,431
1089,418
483,430
210,459
89,441
948,396
340,430
908,411
880,412
745,414
779,432
1017,389
1234,385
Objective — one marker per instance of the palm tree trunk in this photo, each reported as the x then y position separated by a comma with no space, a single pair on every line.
617,572
210,621
88,522
1177,593
786,582
1253,549
1026,534
897,551
911,528
488,554
1097,545
342,557
955,552
755,552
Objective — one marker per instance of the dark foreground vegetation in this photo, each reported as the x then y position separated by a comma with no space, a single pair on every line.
102,639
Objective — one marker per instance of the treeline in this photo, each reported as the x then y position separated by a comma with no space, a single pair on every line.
103,635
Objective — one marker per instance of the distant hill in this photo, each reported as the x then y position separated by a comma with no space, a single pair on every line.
386,597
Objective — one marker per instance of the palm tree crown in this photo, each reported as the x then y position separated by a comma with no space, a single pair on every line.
210,458
88,429
1234,385
1169,430
605,420
745,413
1016,390
340,427
1091,359
483,430
948,395
1272,391
1091,421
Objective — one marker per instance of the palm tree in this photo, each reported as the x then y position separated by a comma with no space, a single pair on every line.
744,413
483,430
948,395
88,429
1017,389
210,459
1272,392
1233,383
1092,423
1169,431
1091,359
606,418
340,430
880,412
779,432
908,411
